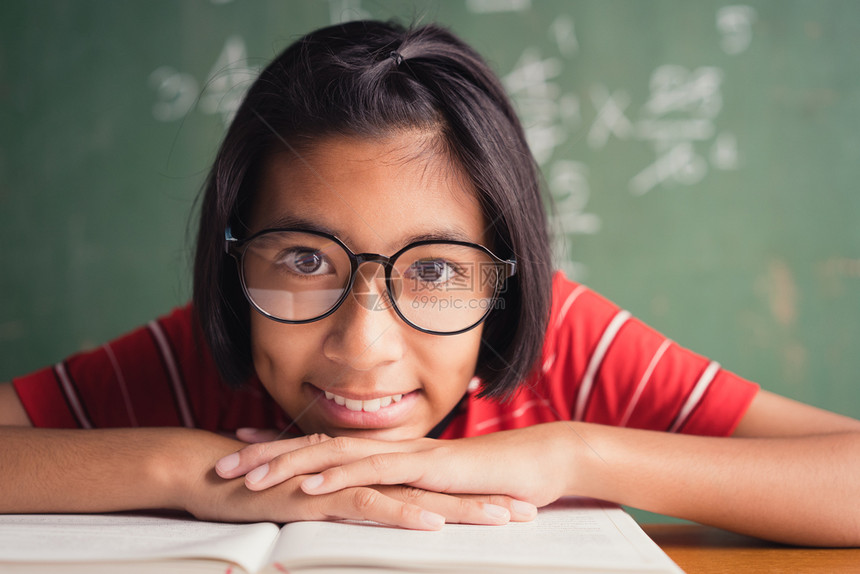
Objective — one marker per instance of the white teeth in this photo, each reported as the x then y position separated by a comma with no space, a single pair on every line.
369,406
353,404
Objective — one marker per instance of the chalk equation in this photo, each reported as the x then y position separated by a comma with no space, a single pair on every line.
179,93
678,122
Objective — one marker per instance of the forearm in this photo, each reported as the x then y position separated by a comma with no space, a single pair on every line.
799,490
53,470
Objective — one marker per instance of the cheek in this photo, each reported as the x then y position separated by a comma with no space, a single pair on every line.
450,358
280,355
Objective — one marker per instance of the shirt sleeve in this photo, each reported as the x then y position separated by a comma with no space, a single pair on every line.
610,368
158,375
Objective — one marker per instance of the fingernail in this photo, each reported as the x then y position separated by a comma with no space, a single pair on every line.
497,512
228,463
258,473
432,519
312,483
524,508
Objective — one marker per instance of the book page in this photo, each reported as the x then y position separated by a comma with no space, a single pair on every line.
123,537
573,533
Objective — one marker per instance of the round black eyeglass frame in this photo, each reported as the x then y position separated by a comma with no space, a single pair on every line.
236,248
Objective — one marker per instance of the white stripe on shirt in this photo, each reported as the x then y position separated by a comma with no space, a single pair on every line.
567,303
596,359
643,382
173,371
513,415
122,384
696,395
72,395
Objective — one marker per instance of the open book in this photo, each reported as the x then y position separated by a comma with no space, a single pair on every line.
572,535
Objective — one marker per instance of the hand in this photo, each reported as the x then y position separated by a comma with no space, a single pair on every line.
210,498
527,464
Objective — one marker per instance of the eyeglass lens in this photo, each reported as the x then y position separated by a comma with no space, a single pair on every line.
441,287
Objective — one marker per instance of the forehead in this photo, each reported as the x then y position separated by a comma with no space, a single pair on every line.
374,194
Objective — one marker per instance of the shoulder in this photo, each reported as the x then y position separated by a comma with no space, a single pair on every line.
123,382
611,368
579,319
572,301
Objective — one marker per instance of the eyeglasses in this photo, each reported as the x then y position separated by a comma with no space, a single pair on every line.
435,286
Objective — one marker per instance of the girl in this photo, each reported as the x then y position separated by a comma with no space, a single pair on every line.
373,277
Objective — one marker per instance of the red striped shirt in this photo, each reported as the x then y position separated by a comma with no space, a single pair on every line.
599,364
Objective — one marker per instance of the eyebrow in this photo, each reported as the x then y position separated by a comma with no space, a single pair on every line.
448,233
292,221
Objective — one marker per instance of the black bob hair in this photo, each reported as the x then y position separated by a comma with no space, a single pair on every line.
372,79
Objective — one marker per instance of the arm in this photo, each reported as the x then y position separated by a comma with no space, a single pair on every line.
58,470
789,474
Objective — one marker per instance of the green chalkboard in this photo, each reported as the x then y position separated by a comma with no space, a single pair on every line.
704,158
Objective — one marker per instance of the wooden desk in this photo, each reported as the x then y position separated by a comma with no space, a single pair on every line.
705,550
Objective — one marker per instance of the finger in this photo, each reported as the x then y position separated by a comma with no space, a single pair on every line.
366,503
287,503
405,469
255,455
317,458
385,468
521,511
455,508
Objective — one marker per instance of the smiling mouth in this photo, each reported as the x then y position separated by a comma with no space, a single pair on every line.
368,406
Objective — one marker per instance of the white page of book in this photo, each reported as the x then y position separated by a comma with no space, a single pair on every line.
121,537
581,533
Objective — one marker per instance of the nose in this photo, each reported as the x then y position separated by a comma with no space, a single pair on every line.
365,331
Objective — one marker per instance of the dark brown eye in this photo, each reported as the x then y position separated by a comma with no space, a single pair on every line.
303,261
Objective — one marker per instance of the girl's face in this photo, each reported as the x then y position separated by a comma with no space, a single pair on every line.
376,196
